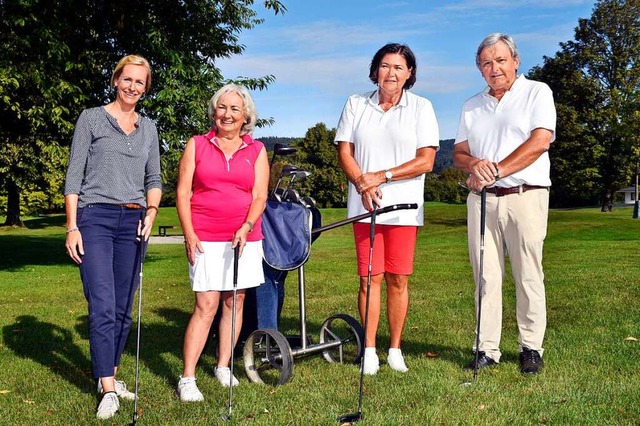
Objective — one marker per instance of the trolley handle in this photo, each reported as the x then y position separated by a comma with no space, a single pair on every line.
387,209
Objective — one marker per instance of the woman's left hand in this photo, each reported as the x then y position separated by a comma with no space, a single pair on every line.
240,238
370,197
145,227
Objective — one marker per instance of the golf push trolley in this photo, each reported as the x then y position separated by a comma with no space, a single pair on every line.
290,223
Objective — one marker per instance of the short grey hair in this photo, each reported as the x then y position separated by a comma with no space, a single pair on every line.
251,117
495,38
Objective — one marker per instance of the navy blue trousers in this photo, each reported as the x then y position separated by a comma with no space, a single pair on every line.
110,272
263,304
270,297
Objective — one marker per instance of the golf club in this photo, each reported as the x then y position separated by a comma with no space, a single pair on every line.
236,255
308,201
355,417
291,195
483,217
301,174
143,247
282,150
287,171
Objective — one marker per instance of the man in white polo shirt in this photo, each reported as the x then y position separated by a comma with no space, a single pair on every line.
503,139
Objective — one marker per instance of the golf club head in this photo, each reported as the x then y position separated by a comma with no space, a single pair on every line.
309,201
291,195
277,194
301,174
280,149
288,170
350,418
226,417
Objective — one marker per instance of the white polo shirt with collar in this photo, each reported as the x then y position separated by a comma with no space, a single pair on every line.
494,129
383,140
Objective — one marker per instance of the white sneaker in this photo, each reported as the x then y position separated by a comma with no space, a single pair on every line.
396,360
121,390
371,361
108,406
188,390
223,374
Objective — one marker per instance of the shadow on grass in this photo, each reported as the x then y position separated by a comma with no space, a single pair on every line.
51,346
448,222
159,340
45,221
17,251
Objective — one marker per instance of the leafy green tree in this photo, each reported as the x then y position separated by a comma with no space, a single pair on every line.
445,187
55,63
576,152
318,154
596,80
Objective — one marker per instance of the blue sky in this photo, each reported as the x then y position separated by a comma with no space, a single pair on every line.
320,50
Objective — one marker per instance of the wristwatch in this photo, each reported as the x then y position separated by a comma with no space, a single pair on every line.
388,175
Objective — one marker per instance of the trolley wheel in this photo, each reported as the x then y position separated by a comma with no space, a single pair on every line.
267,357
343,328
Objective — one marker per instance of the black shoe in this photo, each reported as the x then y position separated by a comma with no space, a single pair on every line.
483,361
530,361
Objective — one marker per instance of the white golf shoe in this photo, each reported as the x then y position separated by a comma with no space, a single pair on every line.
188,390
396,360
121,390
108,406
371,361
223,374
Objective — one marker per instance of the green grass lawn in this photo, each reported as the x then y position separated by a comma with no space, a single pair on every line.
592,360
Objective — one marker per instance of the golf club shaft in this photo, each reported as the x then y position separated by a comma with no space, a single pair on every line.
483,219
236,255
142,249
376,211
372,230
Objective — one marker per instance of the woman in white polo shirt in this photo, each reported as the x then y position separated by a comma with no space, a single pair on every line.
387,140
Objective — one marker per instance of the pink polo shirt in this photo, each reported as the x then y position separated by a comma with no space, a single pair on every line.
222,189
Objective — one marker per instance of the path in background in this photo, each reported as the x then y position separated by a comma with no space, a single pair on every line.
169,239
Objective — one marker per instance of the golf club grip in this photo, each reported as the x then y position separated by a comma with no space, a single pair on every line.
372,228
483,212
236,255
387,209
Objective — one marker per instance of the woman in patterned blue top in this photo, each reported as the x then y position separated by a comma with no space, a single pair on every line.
112,192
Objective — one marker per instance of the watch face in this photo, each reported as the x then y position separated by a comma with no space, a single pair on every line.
388,175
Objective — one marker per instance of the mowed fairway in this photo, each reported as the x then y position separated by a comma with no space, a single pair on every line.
592,357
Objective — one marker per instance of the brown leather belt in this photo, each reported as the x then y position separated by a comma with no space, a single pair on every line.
134,206
500,192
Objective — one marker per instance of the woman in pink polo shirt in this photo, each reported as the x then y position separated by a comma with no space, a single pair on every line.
222,191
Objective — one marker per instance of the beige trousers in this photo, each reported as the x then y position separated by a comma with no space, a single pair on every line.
516,225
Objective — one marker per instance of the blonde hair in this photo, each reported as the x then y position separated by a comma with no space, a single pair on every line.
251,117
132,60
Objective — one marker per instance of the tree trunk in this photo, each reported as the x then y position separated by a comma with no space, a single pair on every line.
607,202
13,205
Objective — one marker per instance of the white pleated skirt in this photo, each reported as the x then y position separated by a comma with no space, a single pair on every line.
213,269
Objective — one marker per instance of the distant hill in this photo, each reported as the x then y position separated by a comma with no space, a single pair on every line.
444,158
270,141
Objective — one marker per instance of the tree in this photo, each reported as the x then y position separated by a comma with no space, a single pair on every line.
576,151
318,154
56,63
596,79
445,187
